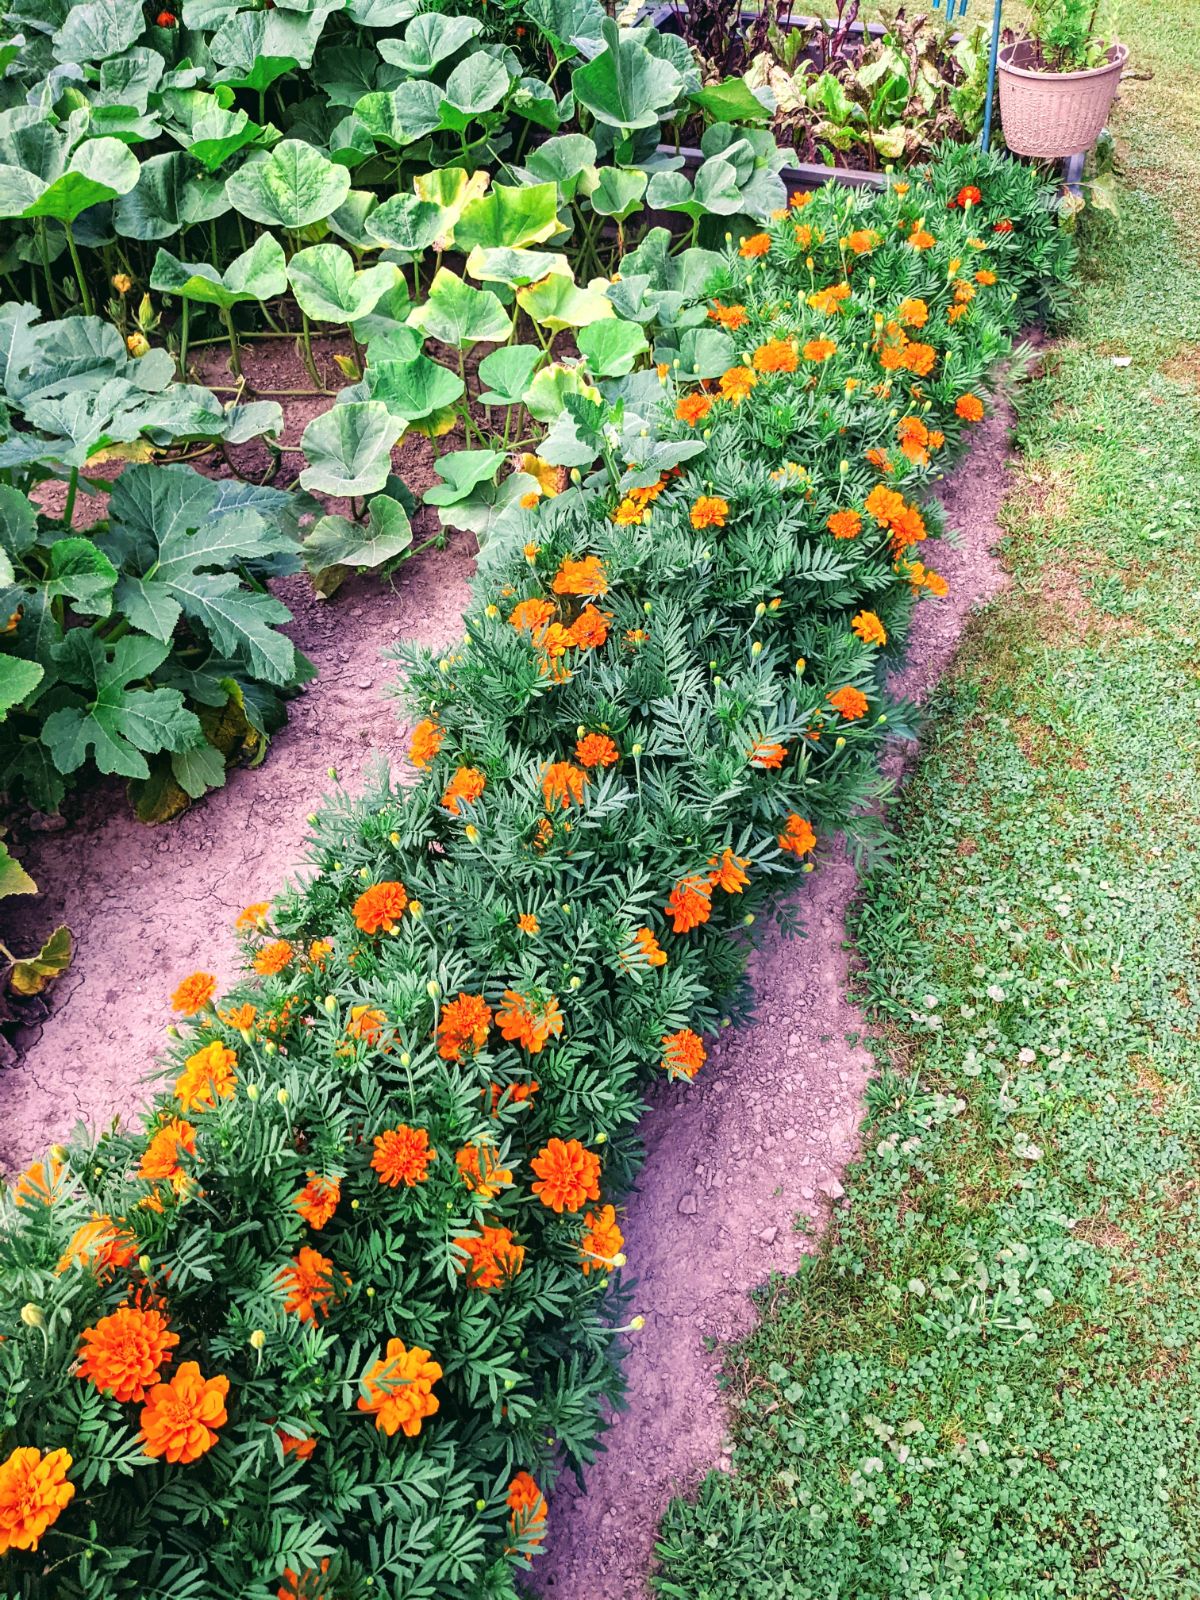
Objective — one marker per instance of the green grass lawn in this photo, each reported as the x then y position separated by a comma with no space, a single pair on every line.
987,1383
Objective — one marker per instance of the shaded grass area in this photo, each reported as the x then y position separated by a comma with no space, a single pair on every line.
987,1383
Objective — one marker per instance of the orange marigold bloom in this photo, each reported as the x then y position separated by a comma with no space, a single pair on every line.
844,524
252,916
425,742
709,511
869,628
402,1156
100,1246
463,1026
690,904
528,923
33,1493
693,408
683,1054
908,527
737,383
596,750
160,1159
920,239
652,951
306,1585
729,874
273,958
913,313
379,908
766,755
399,1389
468,783
242,1018
756,245
920,359
562,784
884,504
308,1284
493,1257
777,355
531,616
731,317
318,1200
831,300
40,1182
602,1241
567,1175
985,277
850,703
590,628
207,1077
914,439
480,1169
969,407
302,1449
527,1505
366,1023
584,577
797,836
523,1022
180,1417
862,241
317,951
936,584
516,1092
819,349
123,1353
954,312
194,993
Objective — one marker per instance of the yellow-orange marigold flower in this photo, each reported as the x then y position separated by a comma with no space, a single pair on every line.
969,407
274,958
399,1389
756,245
527,1505
523,1021
986,277
123,1354
777,355
844,524
160,1159
493,1257
862,241
252,916
366,1024
379,908
584,577
683,1054
731,317
307,1283
602,1241
766,755
563,784
302,1449
425,742
40,1182
463,1026
819,349
402,1156
729,872
689,904
531,616
797,836
709,511
101,1246
921,239
318,1200
913,313
528,923
920,358
693,408
194,993
207,1077
180,1417
737,383
567,1175
33,1494
831,300
850,703
467,784
308,1584
590,628
596,750
869,628
652,951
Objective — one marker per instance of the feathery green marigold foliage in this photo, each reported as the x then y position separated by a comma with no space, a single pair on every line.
376,1207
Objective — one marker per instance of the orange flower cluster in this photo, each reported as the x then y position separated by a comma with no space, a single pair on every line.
194,994
602,1241
869,628
730,317
425,743
729,872
161,1157
766,755
274,958
586,577
467,784
366,1024
307,1284
379,908
306,1585
463,1026
318,1200
736,384
777,355
709,511
797,836
819,350
756,245
649,947
913,313
844,524
683,1054
34,1492
402,1156
180,1418
969,407
252,916
527,1510
567,1175
207,1077
690,904
905,522
596,750
862,241
849,703
693,408
399,1389
828,302
125,1352
480,1169
101,1247
493,1258
563,784
530,1022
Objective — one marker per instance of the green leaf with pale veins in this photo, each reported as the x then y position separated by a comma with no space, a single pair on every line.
458,315
625,85
338,547
289,187
328,288
349,448
13,877
428,40
18,679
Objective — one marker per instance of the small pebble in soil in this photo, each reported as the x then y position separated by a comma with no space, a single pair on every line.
769,1235
689,1205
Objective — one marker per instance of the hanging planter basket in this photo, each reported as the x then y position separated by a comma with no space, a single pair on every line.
1052,114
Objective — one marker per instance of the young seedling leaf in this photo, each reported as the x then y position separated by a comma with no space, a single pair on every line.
337,547
506,374
610,348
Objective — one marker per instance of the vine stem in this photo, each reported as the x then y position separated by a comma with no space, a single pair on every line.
85,294
235,360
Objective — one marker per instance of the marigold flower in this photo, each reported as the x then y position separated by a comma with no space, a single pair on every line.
463,1026
590,628
800,199
884,504
252,916
756,245
306,1585
766,755
241,1018
730,317
953,313
920,239
602,1241
729,874
634,638
528,923
797,836
493,1258
425,742
920,358
160,1159
985,277
480,1169
693,408
302,1449
531,616
517,1093
630,513
527,1505
964,292
207,1077
913,313
194,993
1003,226
652,952
318,1200
468,783
40,1182
562,784
33,1494
850,703
968,196
181,1416
567,1175
379,908
523,1021
831,300
317,951
819,350
274,958
399,1389
936,584
123,1353
366,1024
862,241
683,1054
583,577
969,407
596,750
690,904
869,628
101,1246
914,439
908,527
736,384
402,1156
777,355
709,511
307,1282
844,524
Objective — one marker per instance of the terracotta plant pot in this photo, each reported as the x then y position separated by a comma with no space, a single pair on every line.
1052,114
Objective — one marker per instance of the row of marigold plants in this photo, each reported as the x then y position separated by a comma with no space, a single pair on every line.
328,1325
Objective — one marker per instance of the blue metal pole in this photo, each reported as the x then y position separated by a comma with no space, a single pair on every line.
986,140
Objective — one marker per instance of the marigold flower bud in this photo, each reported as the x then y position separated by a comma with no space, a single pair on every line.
481,1505
246,1035
647,606
312,819
394,840
838,742
443,665
405,1059
32,1316
251,1091
270,1047
282,1096
330,1003
258,1338
760,610
337,866
433,988
331,774
365,874
637,1324
370,1291
416,909
637,749
748,918
756,648
575,982
472,832
355,1204
172,1031
601,1138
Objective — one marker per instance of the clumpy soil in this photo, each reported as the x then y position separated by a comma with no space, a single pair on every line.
761,1139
